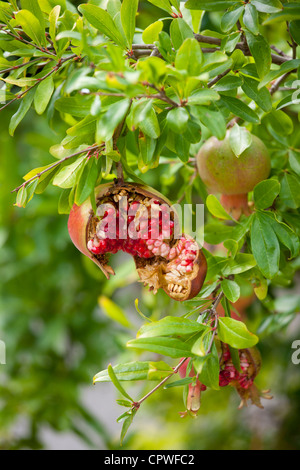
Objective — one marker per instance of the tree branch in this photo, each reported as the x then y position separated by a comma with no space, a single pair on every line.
38,80
54,165
28,64
218,77
148,49
24,41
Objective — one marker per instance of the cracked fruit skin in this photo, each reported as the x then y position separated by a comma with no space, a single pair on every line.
222,172
177,265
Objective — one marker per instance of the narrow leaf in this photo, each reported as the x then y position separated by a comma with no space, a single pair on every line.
128,13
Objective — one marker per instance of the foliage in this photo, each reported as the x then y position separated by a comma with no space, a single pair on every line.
147,98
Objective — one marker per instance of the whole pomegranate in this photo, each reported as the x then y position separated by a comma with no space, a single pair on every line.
233,177
141,222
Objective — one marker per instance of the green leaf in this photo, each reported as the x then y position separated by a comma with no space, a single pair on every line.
250,18
235,357
111,119
265,246
66,177
240,264
34,7
128,13
147,158
43,94
113,311
261,96
63,203
179,383
177,119
87,181
169,326
20,82
231,290
150,125
291,11
83,127
102,21
74,105
209,374
116,382
182,147
235,333
265,192
209,5
229,43
261,53
31,26
189,57
179,31
284,68
53,20
203,96
199,362
151,33
267,6
230,82
239,108
290,191
136,370
239,139
22,110
213,120
229,19
284,234
163,4
126,424
215,208
161,345
295,30
21,197
199,346
280,122
294,160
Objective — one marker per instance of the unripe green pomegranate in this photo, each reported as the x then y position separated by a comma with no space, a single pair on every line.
233,177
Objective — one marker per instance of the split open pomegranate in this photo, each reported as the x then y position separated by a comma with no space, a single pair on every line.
141,222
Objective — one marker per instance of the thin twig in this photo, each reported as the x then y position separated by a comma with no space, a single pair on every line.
218,77
38,175
279,81
38,80
175,370
147,49
281,53
26,64
24,41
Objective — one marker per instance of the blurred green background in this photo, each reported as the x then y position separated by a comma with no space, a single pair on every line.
57,336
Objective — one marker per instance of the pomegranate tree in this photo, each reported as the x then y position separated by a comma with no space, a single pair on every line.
127,98
140,222
234,177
